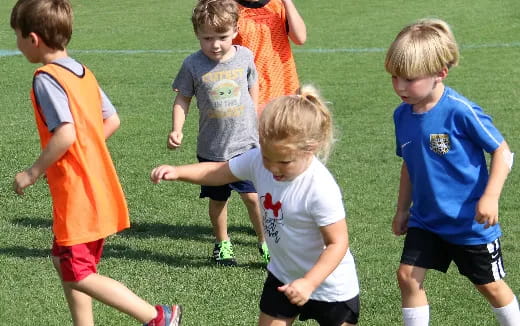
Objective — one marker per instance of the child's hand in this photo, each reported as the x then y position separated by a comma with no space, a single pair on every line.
298,291
400,223
174,139
487,211
163,172
23,180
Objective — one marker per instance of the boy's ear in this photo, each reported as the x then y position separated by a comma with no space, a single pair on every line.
442,74
35,39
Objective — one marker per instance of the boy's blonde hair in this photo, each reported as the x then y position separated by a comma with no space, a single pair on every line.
303,122
51,20
219,15
422,49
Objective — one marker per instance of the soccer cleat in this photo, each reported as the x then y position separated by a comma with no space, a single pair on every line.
264,252
167,316
223,253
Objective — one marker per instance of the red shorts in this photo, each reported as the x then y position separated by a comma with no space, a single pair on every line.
78,261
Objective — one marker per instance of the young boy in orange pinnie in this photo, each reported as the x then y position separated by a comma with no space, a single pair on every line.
74,117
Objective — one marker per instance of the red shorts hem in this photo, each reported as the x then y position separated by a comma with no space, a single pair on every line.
78,261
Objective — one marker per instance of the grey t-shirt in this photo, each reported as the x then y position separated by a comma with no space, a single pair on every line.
227,116
53,99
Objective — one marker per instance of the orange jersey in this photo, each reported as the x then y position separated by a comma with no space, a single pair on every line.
88,201
264,31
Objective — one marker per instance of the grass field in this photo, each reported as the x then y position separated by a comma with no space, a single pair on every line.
135,49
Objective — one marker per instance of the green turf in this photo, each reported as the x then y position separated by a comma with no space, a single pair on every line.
164,257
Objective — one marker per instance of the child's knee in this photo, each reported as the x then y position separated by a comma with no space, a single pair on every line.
495,290
409,277
250,199
403,277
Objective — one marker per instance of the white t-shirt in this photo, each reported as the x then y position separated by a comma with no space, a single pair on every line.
292,213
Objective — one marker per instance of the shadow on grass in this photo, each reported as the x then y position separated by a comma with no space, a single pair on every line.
162,257
125,252
33,222
24,252
202,234
190,232
168,258
150,230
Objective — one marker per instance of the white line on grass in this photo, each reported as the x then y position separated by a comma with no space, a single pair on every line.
6,53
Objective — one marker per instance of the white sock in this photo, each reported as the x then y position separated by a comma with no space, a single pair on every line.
418,316
508,315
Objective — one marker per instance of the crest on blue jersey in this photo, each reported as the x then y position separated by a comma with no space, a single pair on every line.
440,143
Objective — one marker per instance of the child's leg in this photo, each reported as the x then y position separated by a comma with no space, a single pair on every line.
410,279
497,293
266,320
484,267
80,304
80,307
76,266
223,250
250,200
79,298
218,215
114,294
413,296
422,250
503,300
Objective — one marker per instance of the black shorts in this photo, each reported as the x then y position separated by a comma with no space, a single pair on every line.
482,264
274,303
222,193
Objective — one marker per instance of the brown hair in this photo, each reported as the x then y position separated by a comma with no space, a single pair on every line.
219,15
302,121
51,20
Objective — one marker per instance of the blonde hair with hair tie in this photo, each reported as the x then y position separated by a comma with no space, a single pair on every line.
302,121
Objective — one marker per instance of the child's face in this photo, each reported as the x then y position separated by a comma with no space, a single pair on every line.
216,46
420,91
284,162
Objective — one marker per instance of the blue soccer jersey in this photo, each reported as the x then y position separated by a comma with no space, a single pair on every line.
444,152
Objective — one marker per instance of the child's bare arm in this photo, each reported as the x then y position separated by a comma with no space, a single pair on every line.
206,173
335,237
487,206
254,91
111,124
179,112
297,28
404,201
62,138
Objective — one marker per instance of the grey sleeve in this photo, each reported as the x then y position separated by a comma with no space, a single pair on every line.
108,108
184,81
252,74
53,101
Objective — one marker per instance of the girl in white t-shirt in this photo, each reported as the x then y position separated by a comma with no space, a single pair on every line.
312,273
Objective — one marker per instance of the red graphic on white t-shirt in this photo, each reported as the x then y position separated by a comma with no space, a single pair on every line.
268,204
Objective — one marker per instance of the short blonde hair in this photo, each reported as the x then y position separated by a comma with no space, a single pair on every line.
422,49
51,20
219,15
302,122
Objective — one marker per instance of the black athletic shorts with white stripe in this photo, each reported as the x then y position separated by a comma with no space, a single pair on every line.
482,264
